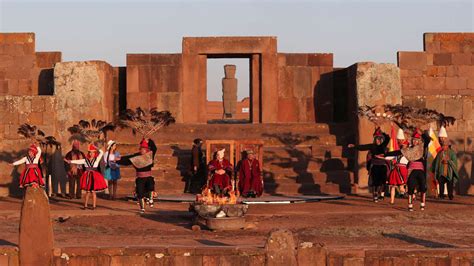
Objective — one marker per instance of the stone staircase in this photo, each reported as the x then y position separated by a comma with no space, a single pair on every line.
298,158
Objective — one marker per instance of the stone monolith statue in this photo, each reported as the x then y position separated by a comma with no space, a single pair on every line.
229,91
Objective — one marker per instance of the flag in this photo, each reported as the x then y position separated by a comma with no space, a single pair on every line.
393,144
434,147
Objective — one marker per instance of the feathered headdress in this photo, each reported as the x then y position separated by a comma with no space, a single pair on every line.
32,132
405,117
93,131
145,122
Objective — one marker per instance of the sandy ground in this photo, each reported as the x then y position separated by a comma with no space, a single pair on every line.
352,222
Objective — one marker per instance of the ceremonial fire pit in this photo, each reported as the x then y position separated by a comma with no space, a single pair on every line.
219,213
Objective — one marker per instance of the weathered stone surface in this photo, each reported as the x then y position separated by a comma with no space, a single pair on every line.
83,90
36,230
281,248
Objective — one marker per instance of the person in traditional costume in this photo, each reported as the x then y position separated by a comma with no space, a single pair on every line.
142,161
31,175
75,171
220,171
112,168
416,155
376,163
92,180
198,169
250,176
399,171
445,166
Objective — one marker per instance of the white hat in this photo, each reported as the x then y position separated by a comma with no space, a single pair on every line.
442,133
400,134
110,143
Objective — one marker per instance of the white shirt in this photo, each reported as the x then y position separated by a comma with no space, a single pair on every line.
86,163
26,159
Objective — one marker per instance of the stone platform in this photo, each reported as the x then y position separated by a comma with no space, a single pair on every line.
265,199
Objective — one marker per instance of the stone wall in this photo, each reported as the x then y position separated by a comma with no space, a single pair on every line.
305,87
307,254
442,78
22,70
154,80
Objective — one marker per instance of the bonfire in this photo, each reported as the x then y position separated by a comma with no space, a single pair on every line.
209,198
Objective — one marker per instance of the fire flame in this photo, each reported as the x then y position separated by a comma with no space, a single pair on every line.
207,197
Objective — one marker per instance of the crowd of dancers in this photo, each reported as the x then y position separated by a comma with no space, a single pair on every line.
405,170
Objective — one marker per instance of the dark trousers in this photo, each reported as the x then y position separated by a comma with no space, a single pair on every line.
144,185
416,180
443,180
75,186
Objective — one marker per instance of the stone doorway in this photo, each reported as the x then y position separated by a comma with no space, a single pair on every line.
228,90
262,54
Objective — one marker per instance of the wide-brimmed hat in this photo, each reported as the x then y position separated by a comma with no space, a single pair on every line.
110,143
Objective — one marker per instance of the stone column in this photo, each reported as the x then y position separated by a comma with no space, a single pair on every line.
371,84
229,91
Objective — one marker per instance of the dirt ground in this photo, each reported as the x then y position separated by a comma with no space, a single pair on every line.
352,222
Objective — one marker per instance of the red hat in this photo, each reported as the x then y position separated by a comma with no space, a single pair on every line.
33,149
405,142
144,144
416,134
378,133
92,147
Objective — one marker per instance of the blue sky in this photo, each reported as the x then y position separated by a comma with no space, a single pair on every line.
353,30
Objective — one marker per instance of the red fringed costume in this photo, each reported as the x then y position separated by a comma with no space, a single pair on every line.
250,177
222,181
32,173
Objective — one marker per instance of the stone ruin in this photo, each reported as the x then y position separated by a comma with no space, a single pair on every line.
301,106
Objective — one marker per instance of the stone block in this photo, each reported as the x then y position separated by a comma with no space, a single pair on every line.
36,118
470,83
281,60
456,83
433,47
138,59
451,46
412,83
434,83
311,255
409,73
281,248
3,87
137,99
38,105
467,109
14,49
165,59
144,79
302,82
133,83
462,58
296,59
454,108
442,59
320,60
20,38
412,60
435,103
287,110
452,71
47,59
285,82
36,231
436,71
466,71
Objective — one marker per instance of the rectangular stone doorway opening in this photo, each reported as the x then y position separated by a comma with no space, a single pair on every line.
228,89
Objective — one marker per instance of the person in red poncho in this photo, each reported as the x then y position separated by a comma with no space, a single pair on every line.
250,179
31,175
92,180
220,171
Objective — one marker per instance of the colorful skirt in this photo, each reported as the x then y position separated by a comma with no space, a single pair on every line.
31,175
398,175
112,174
92,180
